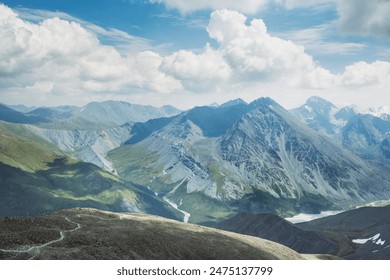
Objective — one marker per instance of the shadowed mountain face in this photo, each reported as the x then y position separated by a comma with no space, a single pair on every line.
363,233
279,230
83,234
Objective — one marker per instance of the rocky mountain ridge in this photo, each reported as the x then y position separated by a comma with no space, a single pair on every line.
213,162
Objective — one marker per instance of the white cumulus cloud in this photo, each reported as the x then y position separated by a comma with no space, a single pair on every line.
248,54
57,59
198,71
61,56
365,74
255,55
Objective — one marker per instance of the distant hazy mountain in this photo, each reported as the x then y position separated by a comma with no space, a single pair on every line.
257,157
53,114
21,108
93,116
365,132
367,136
115,113
37,178
322,116
9,115
382,112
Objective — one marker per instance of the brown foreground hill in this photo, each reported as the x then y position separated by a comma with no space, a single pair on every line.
92,234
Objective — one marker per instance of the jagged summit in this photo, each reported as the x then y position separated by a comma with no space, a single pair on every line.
254,157
233,102
316,100
213,162
263,101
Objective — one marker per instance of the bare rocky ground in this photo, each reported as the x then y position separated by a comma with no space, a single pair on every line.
91,234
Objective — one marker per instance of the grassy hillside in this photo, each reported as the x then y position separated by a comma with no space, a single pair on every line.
37,178
22,149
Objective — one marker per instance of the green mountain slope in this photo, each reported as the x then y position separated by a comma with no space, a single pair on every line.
37,178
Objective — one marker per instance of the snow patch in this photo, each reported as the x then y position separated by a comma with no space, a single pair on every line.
303,217
375,239
380,242
310,109
174,205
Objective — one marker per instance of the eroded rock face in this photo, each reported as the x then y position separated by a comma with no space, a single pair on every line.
253,157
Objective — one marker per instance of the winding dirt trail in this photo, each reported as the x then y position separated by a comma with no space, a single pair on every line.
34,250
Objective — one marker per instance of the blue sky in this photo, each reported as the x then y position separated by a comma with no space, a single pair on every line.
189,53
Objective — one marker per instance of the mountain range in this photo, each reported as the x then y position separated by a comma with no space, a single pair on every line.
94,115
365,132
238,166
205,164
216,161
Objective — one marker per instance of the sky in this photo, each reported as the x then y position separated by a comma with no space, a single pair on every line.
191,53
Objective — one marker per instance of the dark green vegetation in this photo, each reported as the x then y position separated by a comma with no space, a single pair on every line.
37,178
131,236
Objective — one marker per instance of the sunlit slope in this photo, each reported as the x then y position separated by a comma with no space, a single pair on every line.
36,178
